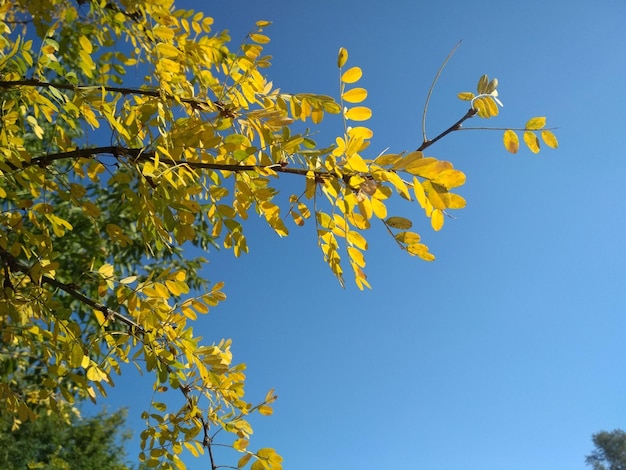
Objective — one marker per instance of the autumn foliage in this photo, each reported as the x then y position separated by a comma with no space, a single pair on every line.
105,178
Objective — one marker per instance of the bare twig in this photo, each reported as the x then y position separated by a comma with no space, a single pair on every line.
432,87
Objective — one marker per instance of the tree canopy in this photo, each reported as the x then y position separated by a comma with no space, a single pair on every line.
610,451
106,179
52,443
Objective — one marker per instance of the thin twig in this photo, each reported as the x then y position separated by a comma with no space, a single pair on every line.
520,129
432,87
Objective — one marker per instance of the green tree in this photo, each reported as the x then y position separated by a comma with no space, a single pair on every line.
610,451
52,443
104,181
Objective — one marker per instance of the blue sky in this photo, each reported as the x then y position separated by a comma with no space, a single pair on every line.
507,351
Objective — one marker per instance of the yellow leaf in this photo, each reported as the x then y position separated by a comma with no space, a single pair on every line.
167,50
95,374
536,123
243,461
399,222
450,179
511,141
106,271
355,95
531,141
259,38
76,355
409,160
240,444
359,113
420,195
436,220
421,251
486,107
270,396
398,183
191,448
356,163
454,201
380,210
550,139
85,44
434,194
483,81
266,410
356,257
317,115
163,33
342,57
356,239
360,132
352,75
408,238
466,96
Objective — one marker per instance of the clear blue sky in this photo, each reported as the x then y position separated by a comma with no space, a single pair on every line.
507,352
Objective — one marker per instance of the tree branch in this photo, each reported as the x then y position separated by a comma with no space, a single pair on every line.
32,82
141,155
17,265
454,127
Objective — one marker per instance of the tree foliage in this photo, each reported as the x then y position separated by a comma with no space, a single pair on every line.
105,178
610,451
52,443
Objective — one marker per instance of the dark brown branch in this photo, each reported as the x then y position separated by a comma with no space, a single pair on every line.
139,155
454,127
32,82
19,266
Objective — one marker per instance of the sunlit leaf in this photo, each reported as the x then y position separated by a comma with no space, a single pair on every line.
536,123
358,113
531,141
437,219
549,139
466,96
352,75
511,141
354,95
259,38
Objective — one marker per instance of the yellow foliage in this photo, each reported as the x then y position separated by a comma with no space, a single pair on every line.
91,233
